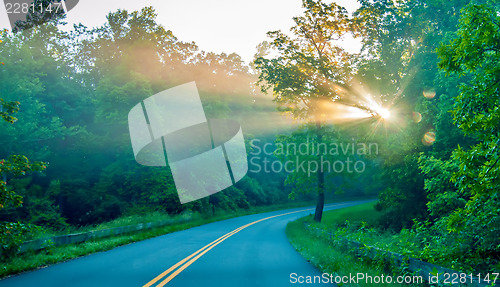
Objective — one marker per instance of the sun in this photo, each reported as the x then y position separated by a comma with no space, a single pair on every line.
376,107
384,113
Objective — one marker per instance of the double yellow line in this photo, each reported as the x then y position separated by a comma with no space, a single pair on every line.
184,263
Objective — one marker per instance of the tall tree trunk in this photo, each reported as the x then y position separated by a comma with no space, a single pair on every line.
318,214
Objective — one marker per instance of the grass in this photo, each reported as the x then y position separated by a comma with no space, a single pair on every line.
33,260
154,216
363,212
326,258
359,223
330,258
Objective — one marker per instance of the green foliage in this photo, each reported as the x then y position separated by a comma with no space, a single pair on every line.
441,192
7,109
475,52
401,38
404,200
447,192
325,244
13,234
302,180
77,87
461,177
307,65
15,166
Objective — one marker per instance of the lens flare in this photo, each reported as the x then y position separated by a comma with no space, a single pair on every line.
417,117
429,94
429,138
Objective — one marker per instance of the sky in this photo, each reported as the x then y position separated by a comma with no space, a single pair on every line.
217,26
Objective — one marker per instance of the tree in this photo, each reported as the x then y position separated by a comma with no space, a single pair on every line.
13,166
474,53
308,71
400,39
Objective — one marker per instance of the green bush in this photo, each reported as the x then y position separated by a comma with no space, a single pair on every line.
11,237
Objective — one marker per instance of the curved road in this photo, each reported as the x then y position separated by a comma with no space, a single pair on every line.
250,250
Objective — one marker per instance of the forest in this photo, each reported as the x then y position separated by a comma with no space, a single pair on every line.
420,105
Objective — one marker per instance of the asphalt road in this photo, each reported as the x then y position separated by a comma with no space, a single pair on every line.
250,250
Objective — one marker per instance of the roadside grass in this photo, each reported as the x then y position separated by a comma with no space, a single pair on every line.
363,212
36,259
358,223
53,254
157,216
333,259
135,219
324,256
